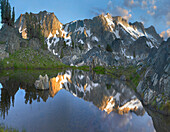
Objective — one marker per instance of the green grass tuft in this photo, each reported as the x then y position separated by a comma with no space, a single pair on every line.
2,42
27,58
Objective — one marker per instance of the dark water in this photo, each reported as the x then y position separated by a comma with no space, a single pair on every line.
89,102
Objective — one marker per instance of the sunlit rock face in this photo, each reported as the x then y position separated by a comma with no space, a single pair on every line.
42,83
110,105
56,83
100,31
80,36
104,92
48,21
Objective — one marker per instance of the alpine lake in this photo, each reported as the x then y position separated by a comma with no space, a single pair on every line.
84,101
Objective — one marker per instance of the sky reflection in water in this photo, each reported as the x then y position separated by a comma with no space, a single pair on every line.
65,112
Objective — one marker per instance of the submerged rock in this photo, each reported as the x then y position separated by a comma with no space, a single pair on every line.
42,83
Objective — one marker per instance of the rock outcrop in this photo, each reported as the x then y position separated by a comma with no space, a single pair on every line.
49,23
3,53
96,55
11,38
42,83
34,43
155,86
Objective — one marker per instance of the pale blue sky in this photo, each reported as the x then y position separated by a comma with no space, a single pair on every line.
1,85
150,12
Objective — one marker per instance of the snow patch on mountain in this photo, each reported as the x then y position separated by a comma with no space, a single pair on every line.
112,26
48,41
149,44
117,34
135,33
127,56
89,47
88,32
81,41
20,29
57,32
110,22
94,38
81,29
132,104
81,77
149,36
54,52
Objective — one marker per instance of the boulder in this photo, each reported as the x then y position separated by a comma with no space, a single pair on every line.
11,37
24,43
34,43
42,83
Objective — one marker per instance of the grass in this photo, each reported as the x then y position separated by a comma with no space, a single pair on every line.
99,70
136,79
165,107
154,102
6,129
27,58
130,72
2,42
116,72
108,86
28,76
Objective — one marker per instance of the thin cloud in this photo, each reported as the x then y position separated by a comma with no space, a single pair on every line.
144,4
114,10
155,11
98,11
131,3
118,11
162,12
151,13
168,19
165,34
154,7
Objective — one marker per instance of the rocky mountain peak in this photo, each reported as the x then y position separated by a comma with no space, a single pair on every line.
138,25
49,23
153,34
100,31
108,15
119,19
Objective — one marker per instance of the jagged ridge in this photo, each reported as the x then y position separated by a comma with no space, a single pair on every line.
102,30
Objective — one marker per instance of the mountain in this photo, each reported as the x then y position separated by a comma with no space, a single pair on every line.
155,85
49,23
128,41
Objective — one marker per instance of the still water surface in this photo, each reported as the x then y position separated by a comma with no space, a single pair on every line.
88,102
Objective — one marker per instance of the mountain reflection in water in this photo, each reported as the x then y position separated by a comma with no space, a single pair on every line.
118,98
107,94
